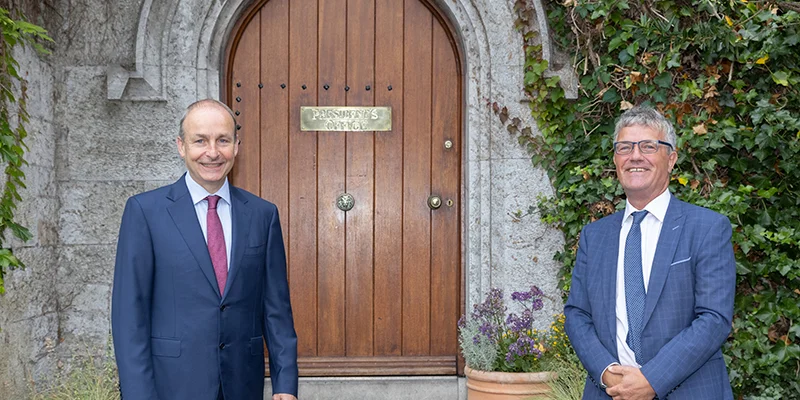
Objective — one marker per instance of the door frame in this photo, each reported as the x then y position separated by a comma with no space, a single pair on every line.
226,95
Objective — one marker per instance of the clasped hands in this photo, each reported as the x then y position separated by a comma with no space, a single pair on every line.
627,383
283,396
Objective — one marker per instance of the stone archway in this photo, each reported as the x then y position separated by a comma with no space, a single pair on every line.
179,50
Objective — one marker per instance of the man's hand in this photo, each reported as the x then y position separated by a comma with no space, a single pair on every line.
611,378
633,386
283,396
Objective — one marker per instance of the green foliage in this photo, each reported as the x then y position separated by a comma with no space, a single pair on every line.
13,117
570,373
726,73
492,339
570,380
479,354
92,378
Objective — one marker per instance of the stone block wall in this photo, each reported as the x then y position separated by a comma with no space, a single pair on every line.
29,325
105,107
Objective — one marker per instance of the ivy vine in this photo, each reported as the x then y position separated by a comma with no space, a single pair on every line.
726,73
13,117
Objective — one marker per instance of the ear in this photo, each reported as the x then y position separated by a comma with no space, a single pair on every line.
236,143
614,158
179,144
673,158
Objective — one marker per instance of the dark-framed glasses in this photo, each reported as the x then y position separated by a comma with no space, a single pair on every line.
645,146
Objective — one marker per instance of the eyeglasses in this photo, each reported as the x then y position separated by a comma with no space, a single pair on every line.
645,146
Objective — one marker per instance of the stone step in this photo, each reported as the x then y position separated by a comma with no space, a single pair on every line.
380,388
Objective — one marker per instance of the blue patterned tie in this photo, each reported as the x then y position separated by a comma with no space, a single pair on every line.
634,284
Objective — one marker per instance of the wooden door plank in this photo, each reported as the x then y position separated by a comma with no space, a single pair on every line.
303,175
245,99
400,322
360,180
389,179
445,174
331,182
275,107
416,179
378,365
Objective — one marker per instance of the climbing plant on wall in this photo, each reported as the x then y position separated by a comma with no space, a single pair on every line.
13,117
727,74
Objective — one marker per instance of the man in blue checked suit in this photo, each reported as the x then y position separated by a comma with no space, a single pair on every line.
200,280
652,291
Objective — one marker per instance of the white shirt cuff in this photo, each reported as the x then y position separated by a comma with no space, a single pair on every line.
603,384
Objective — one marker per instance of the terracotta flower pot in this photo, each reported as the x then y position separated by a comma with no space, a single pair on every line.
482,385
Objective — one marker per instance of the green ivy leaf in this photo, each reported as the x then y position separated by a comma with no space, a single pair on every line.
699,69
615,43
12,146
611,96
781,78
663,80
539,67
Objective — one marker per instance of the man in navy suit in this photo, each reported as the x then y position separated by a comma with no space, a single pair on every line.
200,280
652,291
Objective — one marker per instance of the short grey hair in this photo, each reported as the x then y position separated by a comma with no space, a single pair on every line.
648,117
207,103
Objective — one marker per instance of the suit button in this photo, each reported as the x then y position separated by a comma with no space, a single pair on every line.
221,346
222,308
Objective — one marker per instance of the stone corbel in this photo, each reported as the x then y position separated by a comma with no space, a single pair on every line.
145,82
568,81
122,84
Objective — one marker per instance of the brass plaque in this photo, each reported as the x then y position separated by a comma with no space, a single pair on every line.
351,119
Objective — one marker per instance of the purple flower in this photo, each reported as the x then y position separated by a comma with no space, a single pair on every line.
521,323
523,347
491,308
489,326
521,296
534,296
489,330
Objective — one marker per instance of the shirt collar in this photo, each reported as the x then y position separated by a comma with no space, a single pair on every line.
657,207
199,193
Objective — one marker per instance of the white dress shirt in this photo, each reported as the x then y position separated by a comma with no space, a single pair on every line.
199,195
651,230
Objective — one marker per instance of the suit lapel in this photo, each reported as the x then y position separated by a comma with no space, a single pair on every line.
610,251
668,240
240,218
185,218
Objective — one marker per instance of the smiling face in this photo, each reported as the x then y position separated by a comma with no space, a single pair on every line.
208,146
643,176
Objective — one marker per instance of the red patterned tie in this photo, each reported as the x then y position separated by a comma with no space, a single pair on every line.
216,243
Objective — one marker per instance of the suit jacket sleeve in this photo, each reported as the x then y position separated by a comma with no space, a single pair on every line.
579,322
278,321
714,287
130,305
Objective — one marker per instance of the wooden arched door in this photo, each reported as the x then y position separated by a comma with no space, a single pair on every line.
376,290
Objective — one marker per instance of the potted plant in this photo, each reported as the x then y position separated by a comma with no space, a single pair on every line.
506,358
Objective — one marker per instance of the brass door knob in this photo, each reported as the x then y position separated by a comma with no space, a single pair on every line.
434,202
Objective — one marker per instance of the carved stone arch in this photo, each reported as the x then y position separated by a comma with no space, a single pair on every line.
154,43
180,45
